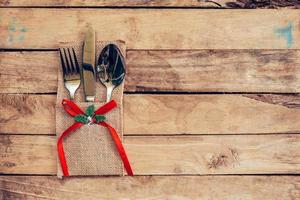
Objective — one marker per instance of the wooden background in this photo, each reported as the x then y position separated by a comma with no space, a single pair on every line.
212,104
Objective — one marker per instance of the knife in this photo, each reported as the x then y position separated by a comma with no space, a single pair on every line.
88,65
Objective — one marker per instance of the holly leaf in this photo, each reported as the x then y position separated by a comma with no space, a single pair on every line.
81,118
90,111
99,118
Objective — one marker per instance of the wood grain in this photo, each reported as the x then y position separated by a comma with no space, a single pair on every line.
154,3
211,114
167,114
152,28
151,187
112,3
185,155
170,50
27,114
214,71
25,72
170,70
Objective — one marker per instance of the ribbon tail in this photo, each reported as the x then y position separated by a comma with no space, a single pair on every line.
120,148
60,148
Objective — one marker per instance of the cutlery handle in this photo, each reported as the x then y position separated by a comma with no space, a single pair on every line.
109,91
88,82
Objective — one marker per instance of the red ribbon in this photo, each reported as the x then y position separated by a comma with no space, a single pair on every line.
71,108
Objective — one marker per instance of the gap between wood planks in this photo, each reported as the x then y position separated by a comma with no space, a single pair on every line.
116,8
174,93
163,175
163,135
151,4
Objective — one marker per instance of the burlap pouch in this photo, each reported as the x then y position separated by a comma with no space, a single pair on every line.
90,149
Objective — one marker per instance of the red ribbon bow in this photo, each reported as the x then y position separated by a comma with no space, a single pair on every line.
71,108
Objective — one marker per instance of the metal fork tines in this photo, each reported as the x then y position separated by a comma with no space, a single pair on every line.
71,70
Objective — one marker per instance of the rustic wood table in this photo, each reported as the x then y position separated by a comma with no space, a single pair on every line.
211,103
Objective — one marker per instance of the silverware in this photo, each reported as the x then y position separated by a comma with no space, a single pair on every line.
71,70
88,65
111,68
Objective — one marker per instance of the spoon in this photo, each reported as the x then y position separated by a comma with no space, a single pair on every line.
111,68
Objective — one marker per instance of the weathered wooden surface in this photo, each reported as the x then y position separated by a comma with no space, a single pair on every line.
169,155
214,71
170,50
167,114
112,3
171,70
211,114
152,187
154,3
153,28
28,72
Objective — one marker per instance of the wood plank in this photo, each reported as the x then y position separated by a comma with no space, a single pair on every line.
112,3
33,114
27,72
186,155
211,114
153,187
153,28
171,70
167,114
214,71
153,3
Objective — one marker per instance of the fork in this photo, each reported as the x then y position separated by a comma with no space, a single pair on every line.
71,70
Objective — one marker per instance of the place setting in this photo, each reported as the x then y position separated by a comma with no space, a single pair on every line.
89,108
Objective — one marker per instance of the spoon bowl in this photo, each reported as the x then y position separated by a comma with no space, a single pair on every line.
111,68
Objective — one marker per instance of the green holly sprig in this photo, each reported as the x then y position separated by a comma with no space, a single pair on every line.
89,115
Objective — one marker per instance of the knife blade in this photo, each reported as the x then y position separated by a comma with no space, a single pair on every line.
88,65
